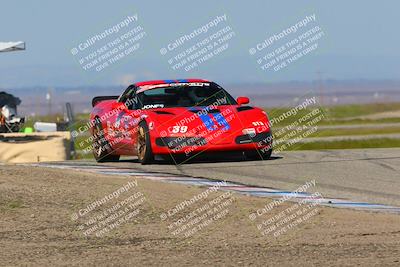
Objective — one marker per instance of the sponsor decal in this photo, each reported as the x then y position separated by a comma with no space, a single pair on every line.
172,84
153,106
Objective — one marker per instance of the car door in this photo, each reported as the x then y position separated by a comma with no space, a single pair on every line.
127,120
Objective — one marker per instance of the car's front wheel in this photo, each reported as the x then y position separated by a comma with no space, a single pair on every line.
101,147
144,151
266,154
259,154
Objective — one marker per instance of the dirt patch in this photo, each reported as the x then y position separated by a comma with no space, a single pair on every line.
35,147
36,228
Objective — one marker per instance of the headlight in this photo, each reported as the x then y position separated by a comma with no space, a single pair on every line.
249,131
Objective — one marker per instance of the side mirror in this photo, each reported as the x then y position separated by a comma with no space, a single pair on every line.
241,100
118,105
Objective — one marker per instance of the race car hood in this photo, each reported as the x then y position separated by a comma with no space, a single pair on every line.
230,119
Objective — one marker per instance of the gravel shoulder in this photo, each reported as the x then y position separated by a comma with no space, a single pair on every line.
36,205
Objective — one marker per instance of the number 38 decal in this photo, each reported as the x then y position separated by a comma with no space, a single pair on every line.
178,129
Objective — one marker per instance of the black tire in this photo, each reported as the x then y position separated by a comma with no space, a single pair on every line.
144,151
259,154
266,154
101,147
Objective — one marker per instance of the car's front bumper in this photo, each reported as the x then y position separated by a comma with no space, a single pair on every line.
195,144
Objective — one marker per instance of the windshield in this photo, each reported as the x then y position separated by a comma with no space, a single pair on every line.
184,95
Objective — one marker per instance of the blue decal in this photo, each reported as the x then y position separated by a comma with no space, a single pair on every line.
207,121
182,80
169,81
221,121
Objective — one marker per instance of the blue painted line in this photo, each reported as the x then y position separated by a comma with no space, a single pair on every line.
354,203
283,193
123,173
182,80
191,179
184,181
198,183
370,205
230,186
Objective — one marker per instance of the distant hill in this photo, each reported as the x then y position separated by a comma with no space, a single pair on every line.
330,92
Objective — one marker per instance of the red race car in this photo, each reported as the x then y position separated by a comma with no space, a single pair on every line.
174,118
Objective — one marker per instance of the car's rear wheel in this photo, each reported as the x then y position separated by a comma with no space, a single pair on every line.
144,151
101,147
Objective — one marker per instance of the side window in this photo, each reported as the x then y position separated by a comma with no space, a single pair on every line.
131,100
132,103
122,97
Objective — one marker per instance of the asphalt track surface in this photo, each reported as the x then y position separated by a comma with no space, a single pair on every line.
365,175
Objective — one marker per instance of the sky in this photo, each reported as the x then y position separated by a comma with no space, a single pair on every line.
359,40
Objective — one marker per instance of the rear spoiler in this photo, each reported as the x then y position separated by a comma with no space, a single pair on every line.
98,99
